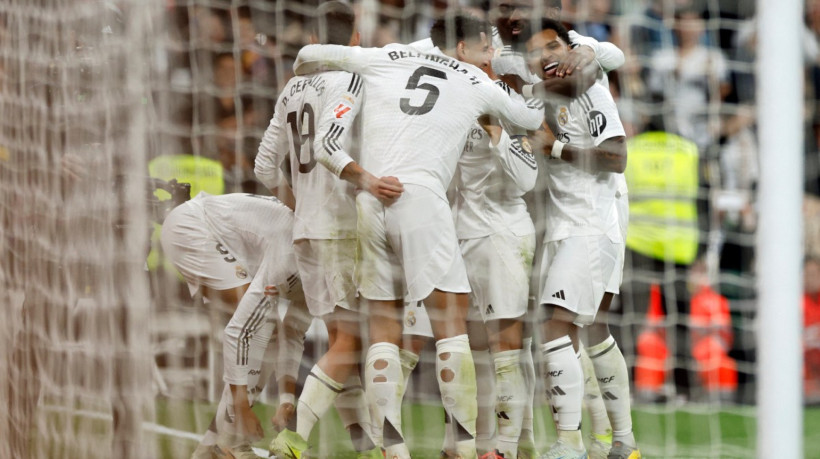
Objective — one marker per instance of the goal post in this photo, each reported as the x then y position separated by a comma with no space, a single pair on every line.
780,109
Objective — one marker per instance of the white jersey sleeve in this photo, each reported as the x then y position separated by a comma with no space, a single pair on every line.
515,112
609,56
514,152
516,159
335,124
314,58
273,149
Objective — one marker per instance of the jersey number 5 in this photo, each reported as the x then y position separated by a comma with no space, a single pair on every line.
302,139
432,91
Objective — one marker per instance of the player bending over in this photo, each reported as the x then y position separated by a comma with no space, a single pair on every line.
238,246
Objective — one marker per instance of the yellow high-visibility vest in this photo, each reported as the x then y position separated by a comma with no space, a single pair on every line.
204,174
662,176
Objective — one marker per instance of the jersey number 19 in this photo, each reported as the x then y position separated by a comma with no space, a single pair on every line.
303,131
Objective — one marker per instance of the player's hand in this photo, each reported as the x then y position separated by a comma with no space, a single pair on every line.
542,140
577,58
514,81
386,189
248,424
491,126
283,415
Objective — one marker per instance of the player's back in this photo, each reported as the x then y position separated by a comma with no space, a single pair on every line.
325,205
246,223
417,113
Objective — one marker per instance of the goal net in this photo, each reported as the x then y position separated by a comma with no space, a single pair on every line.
105,353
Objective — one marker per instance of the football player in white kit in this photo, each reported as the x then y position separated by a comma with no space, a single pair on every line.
512,19
239,246
310,130
583,245
416,116
497,240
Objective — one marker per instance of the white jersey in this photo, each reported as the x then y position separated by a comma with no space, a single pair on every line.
490,182
246,224
419,108
310,127
582,203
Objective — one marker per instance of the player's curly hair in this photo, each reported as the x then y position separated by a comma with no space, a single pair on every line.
548,24
459,27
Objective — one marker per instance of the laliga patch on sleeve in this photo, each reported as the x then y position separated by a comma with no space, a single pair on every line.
597,123
341,110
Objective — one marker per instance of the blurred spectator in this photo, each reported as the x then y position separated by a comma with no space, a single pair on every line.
734,203
236,146
690,81
592,18
256,50
650,34
811,300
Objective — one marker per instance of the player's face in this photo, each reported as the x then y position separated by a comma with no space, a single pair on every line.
544,50
476,51
512,18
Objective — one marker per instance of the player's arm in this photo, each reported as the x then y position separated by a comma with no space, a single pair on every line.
334,128
588,49
607,156
513,152
513,111
270,156
315,58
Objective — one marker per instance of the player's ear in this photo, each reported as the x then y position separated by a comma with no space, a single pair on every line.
355,39
460,46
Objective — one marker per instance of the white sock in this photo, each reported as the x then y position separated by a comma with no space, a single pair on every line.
318,394
383,389
511,400
209,439
565,380
409,360
455,373
485,436
353,412
528,368
592,399
613,379
225,411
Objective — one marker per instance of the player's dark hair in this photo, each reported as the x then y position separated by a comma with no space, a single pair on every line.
458,27
549,24
333,23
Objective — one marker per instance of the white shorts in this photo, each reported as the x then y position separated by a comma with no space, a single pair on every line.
499,268
198,255
575,272
622,206
326,267
408,248
416,321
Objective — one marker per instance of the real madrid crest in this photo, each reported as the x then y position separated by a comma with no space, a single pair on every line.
241,273
410,319
525,145
563,116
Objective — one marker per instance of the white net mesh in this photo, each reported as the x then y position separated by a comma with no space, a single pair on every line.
74,122
103,358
